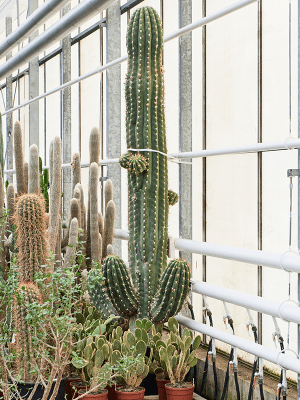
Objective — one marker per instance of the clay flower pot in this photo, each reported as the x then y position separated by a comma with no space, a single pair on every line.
112,392
69,383
130,395
90,396
77,386
161,388
174,393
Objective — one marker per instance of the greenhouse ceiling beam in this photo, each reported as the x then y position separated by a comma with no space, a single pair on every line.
31,24
72,20
255,303
255,257
47,40
258,350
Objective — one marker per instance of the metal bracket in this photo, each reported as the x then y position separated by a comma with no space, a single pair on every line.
293,172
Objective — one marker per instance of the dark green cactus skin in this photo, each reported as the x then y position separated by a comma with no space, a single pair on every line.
174,288
173,197
120,290
145,127
98,294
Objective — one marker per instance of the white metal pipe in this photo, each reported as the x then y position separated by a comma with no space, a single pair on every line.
258,350
210,18
249,148
256,257
16,62
256,303
72,20
32,23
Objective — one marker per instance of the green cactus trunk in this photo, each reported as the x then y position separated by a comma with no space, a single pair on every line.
145,125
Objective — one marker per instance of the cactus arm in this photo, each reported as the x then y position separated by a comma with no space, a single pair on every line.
33,172
71,249
109,221
18,150
94,226
76,170
25,169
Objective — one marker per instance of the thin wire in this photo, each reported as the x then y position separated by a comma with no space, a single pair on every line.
169,156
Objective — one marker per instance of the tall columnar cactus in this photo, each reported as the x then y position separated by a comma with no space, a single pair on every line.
27,358
33,172
31,235
18,149
148,188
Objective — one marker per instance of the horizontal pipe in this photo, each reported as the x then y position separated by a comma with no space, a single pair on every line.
256,349
287,144
31,24
255,257
15,63
210,18
72,20
256,303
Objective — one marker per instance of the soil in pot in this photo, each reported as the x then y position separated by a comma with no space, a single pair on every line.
124,393
75,387
161,388
101,395
69,383
182,391
26,388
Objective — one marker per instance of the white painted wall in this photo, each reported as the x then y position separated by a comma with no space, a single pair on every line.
232,119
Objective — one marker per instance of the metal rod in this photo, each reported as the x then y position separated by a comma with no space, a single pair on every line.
76,17
256,257
31,24
258,350
50,36
255,303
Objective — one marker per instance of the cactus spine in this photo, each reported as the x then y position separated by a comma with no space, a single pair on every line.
148,187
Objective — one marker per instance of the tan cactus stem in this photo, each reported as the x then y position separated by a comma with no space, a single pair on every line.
58,245
109,223
83,209
31,235
108,192
74,213
101,224
76,170
18,150
71,249
110,251
25,172
77,196
94,227
55,194
94,146
33,173
10,202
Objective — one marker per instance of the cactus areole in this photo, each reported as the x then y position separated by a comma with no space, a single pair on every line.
145,128
146,162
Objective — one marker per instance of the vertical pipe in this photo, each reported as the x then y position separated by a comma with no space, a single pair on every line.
185,124
204,147
9,100
66,118
113,107
259,162
33,85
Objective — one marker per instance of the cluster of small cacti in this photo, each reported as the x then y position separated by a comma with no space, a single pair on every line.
152,290
176,354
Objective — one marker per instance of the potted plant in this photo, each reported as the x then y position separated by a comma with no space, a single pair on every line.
178,353
128,357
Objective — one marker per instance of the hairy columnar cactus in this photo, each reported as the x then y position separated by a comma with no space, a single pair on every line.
26,361
94,226
71,249
18,150
76,170
25,169
10,202
33,173
31,235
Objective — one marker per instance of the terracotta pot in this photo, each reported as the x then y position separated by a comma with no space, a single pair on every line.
180,393
100,396
130,395
161,388
112,392
77,386
69,386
